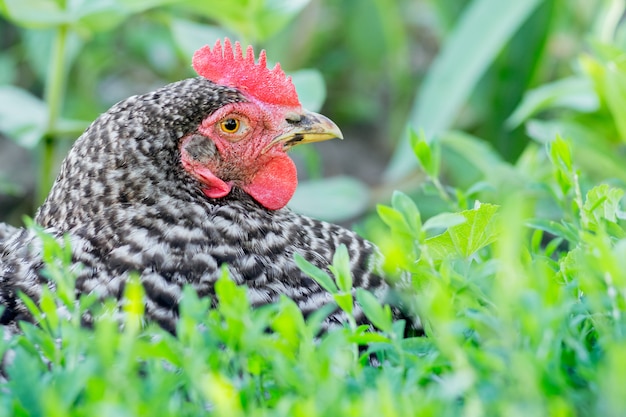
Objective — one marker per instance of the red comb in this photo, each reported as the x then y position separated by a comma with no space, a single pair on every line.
230,68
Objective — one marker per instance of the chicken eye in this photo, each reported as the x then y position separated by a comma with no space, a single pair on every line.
229,125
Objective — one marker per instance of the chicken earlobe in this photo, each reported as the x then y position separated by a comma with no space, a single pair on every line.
195,155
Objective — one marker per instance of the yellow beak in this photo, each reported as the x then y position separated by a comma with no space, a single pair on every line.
306,127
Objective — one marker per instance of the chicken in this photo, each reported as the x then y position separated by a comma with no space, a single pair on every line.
175,183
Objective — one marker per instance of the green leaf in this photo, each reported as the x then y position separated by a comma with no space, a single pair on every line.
90,15
23,117
379,316
137,6
334,199
289,322
315,320
466,238
573,93
443,221
603,202
311,88
25,382
428,154
345,301
561,155
615,93
484,27
233,300
563,230
592,155
49,309
254,20
190,36
321,277
134,300
341,268
480,156
41,339
36,13
409,211
32,306
8,68
393,218
365,338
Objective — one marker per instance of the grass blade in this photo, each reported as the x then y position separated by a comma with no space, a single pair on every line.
485,27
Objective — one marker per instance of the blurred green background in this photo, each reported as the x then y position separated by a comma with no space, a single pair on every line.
485,82
519,105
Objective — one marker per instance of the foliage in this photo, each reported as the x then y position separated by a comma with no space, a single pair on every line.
517,322
65,62
508,241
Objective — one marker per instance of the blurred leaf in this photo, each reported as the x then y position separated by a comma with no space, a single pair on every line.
341,268
254,20
49,309
379,316
8,68
191,36
320,276
289,322
365,338
25,381
427,154
332,199
560,154
310,87
104,15
91,15
408,209
466,238
345,301
603,202
574,93
134,303
9,188
443,221
38,45
232,298
485,26
393,218
595,156
481,156
36,13
615,91
23,117
563,230
136,6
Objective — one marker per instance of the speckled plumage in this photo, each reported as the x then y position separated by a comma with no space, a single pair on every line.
128,205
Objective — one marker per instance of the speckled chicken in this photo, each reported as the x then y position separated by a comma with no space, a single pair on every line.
175,183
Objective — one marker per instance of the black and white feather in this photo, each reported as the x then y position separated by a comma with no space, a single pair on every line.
128,205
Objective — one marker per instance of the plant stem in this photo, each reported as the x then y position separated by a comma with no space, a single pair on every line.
55,87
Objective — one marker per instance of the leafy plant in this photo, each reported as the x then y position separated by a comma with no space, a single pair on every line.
513,325
507,240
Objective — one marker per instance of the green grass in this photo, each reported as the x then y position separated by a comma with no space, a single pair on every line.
509,242
518,322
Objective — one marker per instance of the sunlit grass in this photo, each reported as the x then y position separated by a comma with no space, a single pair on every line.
517,323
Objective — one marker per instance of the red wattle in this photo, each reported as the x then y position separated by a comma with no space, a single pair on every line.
274,184
213,187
